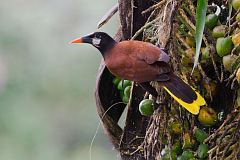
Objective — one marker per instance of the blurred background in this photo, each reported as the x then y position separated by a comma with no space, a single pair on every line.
47,107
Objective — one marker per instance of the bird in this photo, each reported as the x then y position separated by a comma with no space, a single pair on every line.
143,62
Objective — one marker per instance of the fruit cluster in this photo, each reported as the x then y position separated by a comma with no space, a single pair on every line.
124,87
220,59
189,149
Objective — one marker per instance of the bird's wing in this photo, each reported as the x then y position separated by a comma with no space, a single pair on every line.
143,51
152,54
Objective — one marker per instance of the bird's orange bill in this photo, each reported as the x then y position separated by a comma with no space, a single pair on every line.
78,40
84,39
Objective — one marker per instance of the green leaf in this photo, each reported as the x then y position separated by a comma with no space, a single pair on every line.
200,23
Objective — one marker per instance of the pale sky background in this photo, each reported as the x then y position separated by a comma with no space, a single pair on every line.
47,107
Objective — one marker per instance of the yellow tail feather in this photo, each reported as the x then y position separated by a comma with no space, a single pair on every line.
193,107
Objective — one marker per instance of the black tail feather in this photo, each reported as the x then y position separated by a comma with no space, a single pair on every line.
176,85
180,89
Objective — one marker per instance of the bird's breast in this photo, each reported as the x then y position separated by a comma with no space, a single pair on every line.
121,66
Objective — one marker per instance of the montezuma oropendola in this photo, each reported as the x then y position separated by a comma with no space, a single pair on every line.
143,62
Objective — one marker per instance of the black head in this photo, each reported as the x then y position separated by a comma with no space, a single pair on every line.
102,41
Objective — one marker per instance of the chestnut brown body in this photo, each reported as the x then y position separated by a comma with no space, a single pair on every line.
137,61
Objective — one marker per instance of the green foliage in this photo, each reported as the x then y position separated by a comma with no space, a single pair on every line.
200,23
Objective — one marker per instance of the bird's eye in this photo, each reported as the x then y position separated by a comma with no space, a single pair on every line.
96,41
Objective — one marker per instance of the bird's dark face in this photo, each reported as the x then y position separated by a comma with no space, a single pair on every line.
102,41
